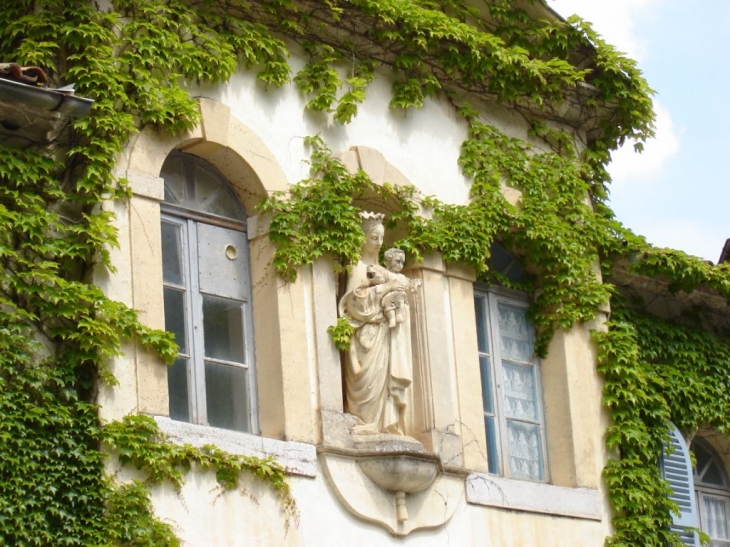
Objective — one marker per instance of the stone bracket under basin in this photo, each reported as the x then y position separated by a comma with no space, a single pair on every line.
392,482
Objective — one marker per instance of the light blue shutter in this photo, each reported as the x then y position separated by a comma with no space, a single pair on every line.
677,470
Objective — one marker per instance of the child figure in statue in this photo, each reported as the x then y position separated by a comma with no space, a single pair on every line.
394,302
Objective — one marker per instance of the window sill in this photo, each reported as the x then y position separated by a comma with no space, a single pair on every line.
298,458
533,497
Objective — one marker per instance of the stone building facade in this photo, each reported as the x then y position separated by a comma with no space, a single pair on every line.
251,141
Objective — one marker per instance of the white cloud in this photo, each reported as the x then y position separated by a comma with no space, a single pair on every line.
628,164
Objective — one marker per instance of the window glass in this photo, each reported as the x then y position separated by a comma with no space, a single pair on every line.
504,262
513,416
713,494
487,389
226,390
211,196
223,328
514,333
525,453
481,315
175,316
172,254
713,475
490,425
172,172
177,386
520,397
716,518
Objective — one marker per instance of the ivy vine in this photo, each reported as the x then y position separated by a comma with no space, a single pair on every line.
135,57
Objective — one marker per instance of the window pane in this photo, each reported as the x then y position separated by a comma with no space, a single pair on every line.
514,333
212,196
713,475
480,305
487,393
716,517
223,204
177,387
175,316
172,172
223,329
225,391
503,261
172,270
702,457
520,397
525,451
492,450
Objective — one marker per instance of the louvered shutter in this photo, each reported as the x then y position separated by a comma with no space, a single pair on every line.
677,469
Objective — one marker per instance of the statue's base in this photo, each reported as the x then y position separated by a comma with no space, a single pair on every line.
387,443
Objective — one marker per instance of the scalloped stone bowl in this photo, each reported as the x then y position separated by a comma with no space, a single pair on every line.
400,473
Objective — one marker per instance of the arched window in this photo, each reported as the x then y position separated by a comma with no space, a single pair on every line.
713,493
510,375
207,297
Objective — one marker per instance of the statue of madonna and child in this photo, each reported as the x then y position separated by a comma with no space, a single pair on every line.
379,363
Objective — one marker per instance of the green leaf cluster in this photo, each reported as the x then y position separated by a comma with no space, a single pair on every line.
341,333
138,441
319,215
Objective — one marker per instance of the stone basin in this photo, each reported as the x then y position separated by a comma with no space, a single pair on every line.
407,473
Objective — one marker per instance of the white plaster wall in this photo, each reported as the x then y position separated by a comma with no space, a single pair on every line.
203,516
423,144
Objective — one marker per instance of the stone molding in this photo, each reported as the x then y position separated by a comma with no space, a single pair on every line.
533,497
298,458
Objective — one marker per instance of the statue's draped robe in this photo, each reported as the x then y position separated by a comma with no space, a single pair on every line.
378,369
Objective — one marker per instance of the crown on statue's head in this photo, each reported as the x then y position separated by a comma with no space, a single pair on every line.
370,219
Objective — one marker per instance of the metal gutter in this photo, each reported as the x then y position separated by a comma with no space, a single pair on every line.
44,99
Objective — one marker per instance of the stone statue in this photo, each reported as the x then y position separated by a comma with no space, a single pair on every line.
378,368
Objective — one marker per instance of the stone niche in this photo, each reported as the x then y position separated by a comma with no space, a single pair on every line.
376,468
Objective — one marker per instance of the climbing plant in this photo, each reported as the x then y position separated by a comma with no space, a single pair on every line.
136,58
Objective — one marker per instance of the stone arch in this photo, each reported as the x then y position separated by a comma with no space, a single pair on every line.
223,141
379,169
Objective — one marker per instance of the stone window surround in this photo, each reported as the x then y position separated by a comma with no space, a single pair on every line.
251,169
296,457
238,153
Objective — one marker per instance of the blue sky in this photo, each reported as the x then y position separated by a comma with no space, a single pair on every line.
675,193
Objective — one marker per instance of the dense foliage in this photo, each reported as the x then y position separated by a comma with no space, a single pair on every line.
134,57
655,372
